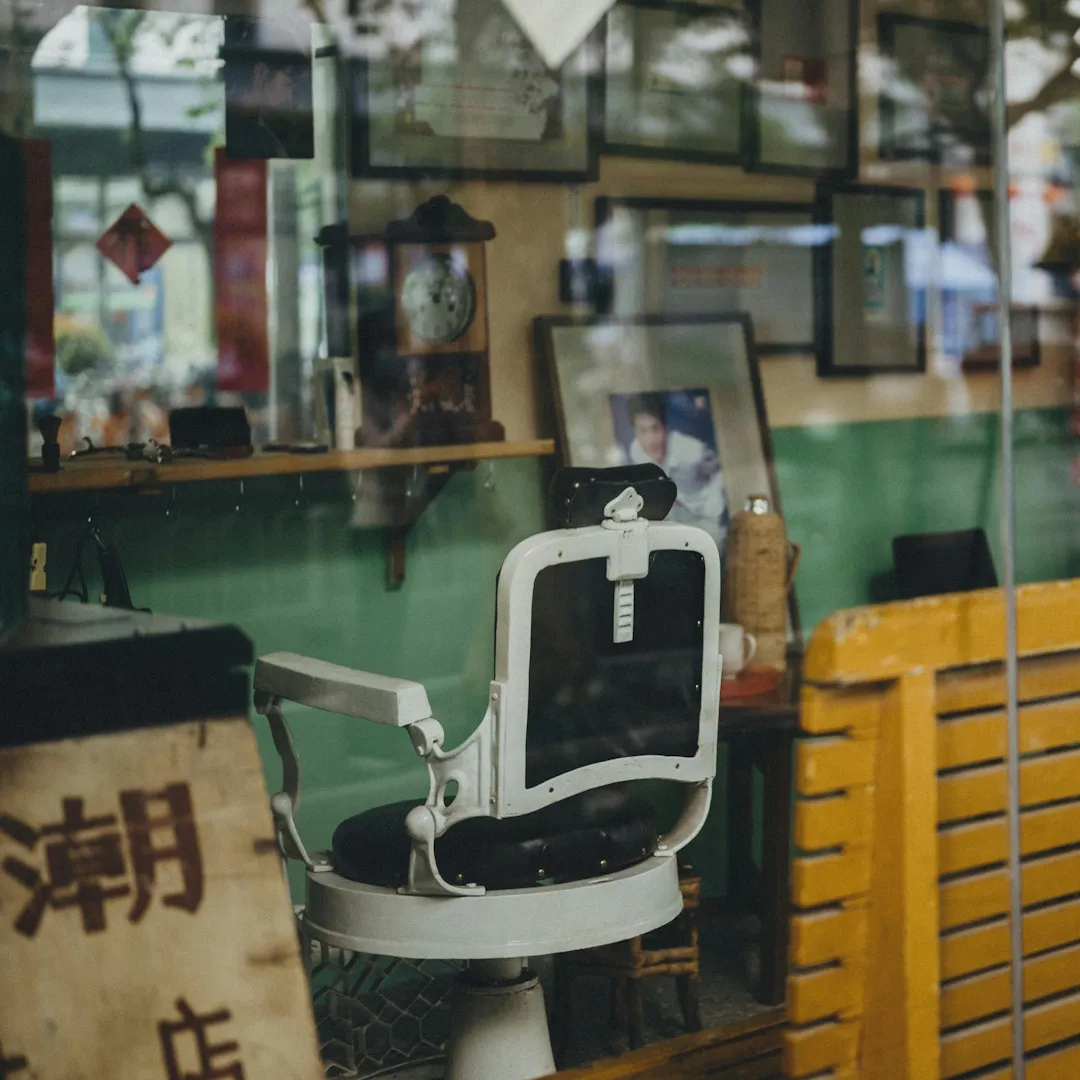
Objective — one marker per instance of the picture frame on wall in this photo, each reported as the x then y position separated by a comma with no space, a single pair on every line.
676,257
681,391
802,115
267,79
472,99
871,297
970,297
935,99
694,376
675,75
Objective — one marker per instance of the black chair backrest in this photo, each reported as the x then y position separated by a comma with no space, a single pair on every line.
932,564
592,699
578,496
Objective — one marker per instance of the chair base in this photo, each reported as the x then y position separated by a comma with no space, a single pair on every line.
515,922
500,1027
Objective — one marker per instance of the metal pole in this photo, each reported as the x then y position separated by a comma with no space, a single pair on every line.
999,132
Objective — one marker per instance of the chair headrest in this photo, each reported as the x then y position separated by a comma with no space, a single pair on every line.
578,496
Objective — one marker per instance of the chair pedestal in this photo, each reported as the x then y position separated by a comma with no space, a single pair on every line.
500,1027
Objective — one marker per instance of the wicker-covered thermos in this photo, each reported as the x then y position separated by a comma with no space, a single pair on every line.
760,566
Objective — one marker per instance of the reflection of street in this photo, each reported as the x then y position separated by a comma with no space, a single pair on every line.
127,348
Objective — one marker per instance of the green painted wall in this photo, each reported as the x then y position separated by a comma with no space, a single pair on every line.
300,578
847,490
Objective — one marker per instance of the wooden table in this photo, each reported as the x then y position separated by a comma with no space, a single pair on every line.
760,732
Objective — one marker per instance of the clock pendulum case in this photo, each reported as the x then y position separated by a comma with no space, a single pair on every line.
438,279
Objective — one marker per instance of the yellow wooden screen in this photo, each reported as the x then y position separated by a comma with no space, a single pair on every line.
900,892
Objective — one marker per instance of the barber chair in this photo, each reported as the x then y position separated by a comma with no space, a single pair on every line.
606,671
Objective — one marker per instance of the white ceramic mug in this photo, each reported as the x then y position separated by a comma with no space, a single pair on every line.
737,648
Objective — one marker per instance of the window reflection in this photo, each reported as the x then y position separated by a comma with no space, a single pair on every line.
132,106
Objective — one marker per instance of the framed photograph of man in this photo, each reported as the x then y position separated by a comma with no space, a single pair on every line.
871,288
674,429
683,391
802,108
680,256
675,75
680,390
934,103
471,98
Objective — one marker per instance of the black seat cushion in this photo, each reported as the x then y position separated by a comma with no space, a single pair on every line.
596,832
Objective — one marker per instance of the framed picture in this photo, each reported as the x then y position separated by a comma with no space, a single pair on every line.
268,111
675,75
268,91
935,98
871,288
681,391
802,111
969,287
676,257
473,99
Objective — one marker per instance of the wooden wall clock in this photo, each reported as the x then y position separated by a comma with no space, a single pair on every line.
438,278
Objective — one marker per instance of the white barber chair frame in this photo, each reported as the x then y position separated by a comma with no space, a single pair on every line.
499,1024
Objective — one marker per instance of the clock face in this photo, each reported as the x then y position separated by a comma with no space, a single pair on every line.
438,298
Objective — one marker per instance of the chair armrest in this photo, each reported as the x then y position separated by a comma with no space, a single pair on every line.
396,702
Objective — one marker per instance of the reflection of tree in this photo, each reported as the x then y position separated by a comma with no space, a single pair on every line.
126,32
1054,25
20,31
937,84
689,55
1043,32
693,55
378,27
676,75
81,347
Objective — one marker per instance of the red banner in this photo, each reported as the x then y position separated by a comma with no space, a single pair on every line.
241,304
40,305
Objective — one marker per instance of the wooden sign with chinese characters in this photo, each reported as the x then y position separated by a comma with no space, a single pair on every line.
145,924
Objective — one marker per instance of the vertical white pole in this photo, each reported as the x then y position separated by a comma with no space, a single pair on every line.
999,135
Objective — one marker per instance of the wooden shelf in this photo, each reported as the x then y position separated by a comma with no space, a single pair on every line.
107,472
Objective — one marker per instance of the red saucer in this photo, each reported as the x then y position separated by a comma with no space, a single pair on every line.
751,682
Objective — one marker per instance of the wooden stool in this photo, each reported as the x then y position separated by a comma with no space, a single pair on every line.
671,950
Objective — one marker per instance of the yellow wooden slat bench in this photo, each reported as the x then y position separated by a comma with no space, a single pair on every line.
900,961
